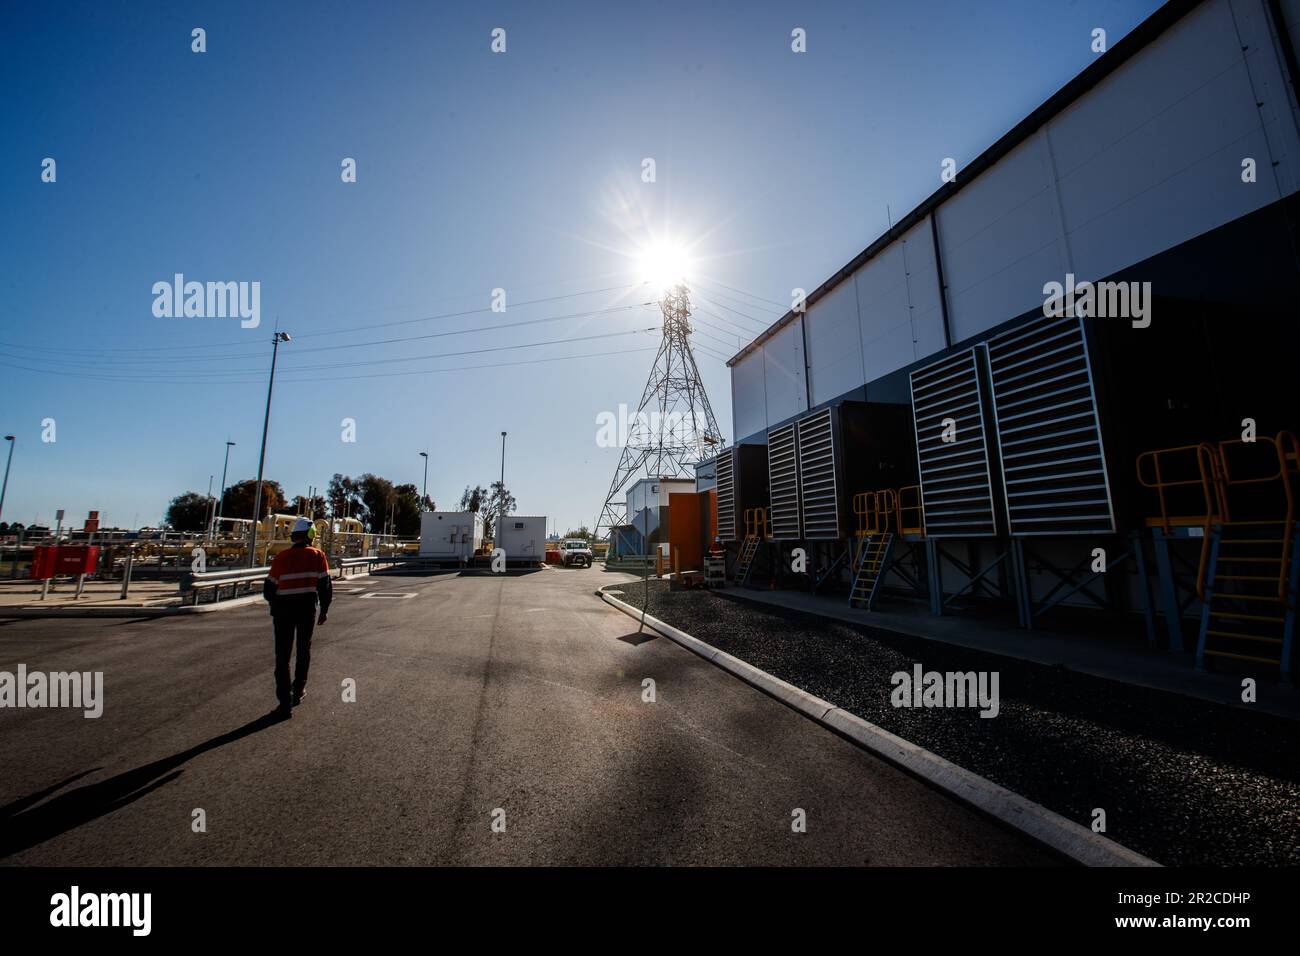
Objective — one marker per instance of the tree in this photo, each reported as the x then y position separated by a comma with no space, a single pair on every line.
406,511
345,497
313,506
584,533
473,498
237,502
189,512
379,497
494,507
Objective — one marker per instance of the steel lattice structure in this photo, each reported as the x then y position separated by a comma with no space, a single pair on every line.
674,425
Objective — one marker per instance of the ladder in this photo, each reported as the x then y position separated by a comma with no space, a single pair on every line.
748,551
1249,607
873,561
756,532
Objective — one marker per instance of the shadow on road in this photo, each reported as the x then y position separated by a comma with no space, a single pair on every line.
21,828
637,638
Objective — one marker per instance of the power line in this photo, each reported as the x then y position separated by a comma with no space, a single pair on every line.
741,332
432,371
780,305
721,305
212,375
151,363
246,343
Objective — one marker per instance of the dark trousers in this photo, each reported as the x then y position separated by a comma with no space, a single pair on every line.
300,625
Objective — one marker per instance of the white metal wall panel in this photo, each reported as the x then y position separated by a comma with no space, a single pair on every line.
1001,238
748,397
885,317
1278,112
834,344
784,375
1151,157
923,292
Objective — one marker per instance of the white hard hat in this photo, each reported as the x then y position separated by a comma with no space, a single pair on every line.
303,524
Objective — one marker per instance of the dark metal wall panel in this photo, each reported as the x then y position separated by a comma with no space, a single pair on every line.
725,483
783,483
1053,464
819,476
956,486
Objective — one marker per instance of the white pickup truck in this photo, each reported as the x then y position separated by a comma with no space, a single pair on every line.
576,551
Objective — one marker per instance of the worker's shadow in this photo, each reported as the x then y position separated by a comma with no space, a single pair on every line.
22,828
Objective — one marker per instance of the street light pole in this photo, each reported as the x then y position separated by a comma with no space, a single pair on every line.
425,492
12,440
221,492
261,458
501,518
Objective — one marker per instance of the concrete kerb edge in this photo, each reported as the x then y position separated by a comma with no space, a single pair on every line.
110,610
145,610
1044,826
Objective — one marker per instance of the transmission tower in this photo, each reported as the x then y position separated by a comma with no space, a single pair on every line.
674,425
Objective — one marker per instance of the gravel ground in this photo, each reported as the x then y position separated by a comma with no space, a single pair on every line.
1183,781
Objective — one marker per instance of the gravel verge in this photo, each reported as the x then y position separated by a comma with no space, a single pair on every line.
1186,782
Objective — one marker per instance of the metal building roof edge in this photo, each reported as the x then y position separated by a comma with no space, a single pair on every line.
1136,40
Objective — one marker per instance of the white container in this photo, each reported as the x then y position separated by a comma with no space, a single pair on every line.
450,535
523,537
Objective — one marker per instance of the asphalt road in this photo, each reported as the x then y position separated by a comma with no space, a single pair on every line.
478,693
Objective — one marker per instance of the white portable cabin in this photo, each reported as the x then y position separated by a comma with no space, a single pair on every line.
450,535
523,537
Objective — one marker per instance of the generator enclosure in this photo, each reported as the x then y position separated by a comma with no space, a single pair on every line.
523,537
450,535
846,449
741,484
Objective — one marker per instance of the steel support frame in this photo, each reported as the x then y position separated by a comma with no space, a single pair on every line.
934,555
1028,614
1171,607
835,554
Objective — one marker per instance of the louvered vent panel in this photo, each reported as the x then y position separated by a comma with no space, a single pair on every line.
818,490
725,475
955,482
1053,467
783,483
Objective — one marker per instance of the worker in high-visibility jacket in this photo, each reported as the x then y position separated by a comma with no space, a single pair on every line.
299,577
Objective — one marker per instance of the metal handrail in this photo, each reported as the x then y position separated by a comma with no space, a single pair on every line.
875,510
756,524
1209,478
192,580
904,527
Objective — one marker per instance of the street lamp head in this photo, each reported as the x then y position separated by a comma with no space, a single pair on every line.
10,438
230,444
282,336
424,454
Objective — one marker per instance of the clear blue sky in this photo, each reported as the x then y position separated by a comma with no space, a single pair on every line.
476,170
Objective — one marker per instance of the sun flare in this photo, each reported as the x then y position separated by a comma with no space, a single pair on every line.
663,265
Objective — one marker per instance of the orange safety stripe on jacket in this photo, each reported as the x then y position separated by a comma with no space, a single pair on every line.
296,571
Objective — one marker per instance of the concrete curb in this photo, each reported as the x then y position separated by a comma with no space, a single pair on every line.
111,610
1044,826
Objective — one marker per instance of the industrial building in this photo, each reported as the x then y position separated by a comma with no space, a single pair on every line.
1066,379
647,508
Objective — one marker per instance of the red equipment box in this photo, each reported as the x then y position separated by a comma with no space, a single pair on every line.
52,560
